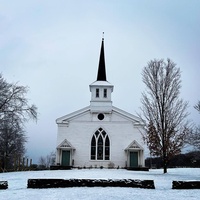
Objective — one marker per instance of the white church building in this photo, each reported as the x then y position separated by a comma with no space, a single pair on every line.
100,135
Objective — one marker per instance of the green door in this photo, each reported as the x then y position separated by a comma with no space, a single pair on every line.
133,159
65,158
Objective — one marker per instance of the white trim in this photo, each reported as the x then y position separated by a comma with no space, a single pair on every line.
96,140
101,83
66,118
65,145
134,146
136,120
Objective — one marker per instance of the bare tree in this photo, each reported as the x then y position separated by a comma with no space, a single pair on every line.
46,162
13,100
14,112
42,162
51,158
197,106
12,140
194,137
163,110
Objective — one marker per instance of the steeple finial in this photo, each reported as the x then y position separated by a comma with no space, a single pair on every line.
101,75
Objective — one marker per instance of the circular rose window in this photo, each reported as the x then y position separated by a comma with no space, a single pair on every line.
100,116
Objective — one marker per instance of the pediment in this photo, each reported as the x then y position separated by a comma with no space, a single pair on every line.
128,117
65,145
134,146
72,116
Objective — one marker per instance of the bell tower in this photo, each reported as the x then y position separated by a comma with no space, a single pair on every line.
101,89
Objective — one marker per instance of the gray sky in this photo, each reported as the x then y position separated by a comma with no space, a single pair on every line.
53,47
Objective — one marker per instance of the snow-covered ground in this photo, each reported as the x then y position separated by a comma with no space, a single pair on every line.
163,182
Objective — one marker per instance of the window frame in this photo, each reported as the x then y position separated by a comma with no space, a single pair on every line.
100,146
105,93
97,92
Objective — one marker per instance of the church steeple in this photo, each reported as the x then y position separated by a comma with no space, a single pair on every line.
101,89
101,75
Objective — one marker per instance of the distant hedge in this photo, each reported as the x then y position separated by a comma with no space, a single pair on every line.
191,159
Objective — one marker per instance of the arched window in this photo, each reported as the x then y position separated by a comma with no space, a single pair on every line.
100,145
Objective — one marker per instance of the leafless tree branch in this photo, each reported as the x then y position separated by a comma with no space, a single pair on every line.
164,111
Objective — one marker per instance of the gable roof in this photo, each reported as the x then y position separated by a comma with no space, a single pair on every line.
65,144
134,146
64,119
134,119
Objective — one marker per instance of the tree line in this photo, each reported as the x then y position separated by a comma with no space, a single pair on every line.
190,159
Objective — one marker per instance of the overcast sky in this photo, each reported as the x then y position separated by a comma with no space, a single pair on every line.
53,46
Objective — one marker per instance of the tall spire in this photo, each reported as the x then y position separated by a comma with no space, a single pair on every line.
101,75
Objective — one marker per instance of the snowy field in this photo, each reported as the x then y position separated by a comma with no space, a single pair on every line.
17,182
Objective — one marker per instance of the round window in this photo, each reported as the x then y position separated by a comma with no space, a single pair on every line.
100,116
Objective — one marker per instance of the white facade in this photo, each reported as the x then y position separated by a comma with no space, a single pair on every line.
100,134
